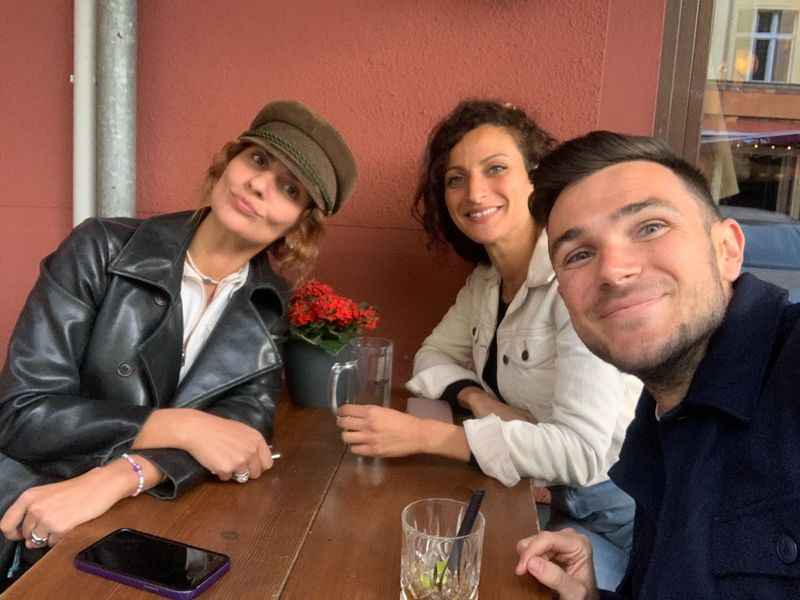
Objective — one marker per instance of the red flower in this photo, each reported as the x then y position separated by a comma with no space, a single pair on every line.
319,315
314,289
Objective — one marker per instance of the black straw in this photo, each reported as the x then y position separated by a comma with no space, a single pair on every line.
466,527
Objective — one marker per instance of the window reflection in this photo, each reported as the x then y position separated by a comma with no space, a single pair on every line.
750,139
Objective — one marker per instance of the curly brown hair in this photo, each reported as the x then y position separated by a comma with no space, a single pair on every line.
429,207
294,254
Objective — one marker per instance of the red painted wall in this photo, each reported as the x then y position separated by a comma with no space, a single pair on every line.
383,72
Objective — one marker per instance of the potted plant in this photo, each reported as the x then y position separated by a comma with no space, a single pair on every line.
321,325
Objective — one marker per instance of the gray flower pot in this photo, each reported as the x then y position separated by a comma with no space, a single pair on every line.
307,370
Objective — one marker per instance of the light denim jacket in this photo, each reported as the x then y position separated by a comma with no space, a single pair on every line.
582,404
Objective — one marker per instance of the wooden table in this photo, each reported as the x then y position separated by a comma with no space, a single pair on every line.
322,524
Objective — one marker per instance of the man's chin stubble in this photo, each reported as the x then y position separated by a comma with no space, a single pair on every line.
675,362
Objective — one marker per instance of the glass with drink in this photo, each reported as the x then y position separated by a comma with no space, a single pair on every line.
436,563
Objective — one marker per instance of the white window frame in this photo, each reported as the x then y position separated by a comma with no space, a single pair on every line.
773,36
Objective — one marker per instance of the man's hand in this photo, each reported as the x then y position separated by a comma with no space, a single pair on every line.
561,560
480,404
378,431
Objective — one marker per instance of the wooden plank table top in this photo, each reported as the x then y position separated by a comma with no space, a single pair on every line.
353,548
322,524
261,525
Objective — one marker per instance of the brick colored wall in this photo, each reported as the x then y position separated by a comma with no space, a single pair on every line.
383,72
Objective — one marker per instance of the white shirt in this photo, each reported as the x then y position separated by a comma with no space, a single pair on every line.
583,405
199,320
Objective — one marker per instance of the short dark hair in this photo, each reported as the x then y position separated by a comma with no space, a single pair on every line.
429,207
583,156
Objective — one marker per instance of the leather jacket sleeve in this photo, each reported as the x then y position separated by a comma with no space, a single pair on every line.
44,421
252,403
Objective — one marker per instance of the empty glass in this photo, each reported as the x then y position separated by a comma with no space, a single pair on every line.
435,563
364,379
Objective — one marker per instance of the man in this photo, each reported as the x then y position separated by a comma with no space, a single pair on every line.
650,274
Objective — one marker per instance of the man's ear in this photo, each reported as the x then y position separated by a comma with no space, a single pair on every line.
728,239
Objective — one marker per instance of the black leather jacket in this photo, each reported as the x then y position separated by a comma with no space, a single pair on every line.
98,347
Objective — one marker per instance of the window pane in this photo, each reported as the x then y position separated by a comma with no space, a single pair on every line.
787,21
761,55
764,22
743,61
780,67
751,116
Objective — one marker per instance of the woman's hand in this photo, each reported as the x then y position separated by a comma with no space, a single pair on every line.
377,431
223,446
561,560
480,404
51,511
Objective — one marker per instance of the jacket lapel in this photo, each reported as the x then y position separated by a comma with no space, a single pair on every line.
156,251
241,345
161,355
154,255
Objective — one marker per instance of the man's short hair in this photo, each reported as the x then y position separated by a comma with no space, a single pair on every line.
582,156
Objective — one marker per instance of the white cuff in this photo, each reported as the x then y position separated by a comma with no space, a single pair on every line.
488,445
433,381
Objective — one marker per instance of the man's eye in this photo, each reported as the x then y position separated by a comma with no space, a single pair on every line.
651,228
577,257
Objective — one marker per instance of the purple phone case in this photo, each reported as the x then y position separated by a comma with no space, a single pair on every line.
151,586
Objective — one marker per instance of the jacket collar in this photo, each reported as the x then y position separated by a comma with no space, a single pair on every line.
731,375
540,269
156,251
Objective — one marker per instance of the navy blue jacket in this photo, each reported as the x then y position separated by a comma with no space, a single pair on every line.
717,479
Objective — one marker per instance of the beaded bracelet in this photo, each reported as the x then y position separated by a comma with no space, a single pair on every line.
137,468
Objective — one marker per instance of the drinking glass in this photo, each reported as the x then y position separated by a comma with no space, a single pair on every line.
366,378
435,563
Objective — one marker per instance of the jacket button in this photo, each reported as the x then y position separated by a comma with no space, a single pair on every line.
525,355
124,369
787,549
505,359
160,300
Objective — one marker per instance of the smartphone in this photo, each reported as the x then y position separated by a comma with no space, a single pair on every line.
165,567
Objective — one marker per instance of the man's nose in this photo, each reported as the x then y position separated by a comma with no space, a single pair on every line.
618,263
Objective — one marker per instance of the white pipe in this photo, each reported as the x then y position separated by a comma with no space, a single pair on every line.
83,113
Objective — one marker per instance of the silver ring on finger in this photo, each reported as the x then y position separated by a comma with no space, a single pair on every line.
241,477
38,541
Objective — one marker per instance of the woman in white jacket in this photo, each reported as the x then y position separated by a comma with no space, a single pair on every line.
540,404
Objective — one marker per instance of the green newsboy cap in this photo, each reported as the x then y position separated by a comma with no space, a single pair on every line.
310,148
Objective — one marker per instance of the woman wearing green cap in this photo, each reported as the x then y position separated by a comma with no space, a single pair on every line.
148,354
